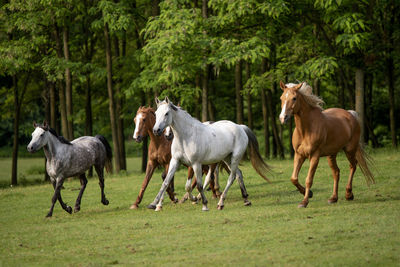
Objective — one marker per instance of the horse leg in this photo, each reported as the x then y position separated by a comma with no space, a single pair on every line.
309,180
297,163
353,166
207,181
212,180
336,176
171,188
231,178
84,181
57,185
151,166
100,173
239,175
199,173
173,166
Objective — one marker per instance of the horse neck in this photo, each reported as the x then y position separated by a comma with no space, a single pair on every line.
183,124
307,117
52,146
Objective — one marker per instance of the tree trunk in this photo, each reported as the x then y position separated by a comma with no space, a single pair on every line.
290,138
316,87
205,76
265,112
198,97
359,90
68,86
275,132
53,112
238,91
61,89
248,99
111,104
118,109
145,150
18,99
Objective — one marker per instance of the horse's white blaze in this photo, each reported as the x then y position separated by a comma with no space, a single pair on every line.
138,119
283,112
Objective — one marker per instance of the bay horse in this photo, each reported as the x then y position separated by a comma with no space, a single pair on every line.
159,154
321,133
196,143
67,159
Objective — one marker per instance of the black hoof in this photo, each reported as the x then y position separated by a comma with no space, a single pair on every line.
105,202
220,207
151,207
310,194
350,197
77,208
49,215
68,209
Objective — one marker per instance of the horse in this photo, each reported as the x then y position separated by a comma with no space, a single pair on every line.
159,153
68,159
195,144
321,133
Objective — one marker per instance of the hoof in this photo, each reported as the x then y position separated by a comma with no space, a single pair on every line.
175,200
105,202
350,197
68,209
302,205
220,207
182,201
134,207
332,200
49,215
310,195
204,208
151,206
77,208
247,203
158,208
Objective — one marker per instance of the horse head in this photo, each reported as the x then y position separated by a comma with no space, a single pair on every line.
39,137
144,120
289,101
164,114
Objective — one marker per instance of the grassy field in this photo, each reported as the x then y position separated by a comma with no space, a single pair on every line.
273,231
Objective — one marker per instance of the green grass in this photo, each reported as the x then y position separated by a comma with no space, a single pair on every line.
273,231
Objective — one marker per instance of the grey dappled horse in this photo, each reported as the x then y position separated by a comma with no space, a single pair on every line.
67,159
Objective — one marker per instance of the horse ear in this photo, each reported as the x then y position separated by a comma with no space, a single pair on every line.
157,101
34,124
297,87
282,85
45,125
167,99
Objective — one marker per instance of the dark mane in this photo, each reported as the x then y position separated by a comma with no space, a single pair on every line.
53,132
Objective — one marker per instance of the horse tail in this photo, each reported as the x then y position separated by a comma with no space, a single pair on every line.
108,163
363,160
257,161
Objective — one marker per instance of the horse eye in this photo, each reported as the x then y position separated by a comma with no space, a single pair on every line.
294,99
166,114
41,134
144,120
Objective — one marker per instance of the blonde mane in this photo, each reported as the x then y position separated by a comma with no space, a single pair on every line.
307,92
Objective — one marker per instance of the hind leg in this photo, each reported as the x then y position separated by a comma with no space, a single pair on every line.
353,166
84,181
100,173
239,175
232,176
199,173
336,176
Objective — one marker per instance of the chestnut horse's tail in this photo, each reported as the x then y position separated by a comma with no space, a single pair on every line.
363,160
257,161
108,163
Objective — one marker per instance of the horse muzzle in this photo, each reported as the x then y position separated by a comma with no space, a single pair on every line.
31,149
138,139
158,131
284,119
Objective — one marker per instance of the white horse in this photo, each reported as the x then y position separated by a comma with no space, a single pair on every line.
195,144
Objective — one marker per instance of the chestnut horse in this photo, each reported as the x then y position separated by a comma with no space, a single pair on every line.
159,154
320,133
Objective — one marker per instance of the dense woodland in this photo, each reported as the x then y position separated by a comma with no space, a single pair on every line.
85,66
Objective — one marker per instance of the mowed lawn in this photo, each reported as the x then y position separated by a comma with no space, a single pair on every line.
273,231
